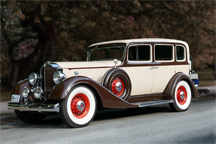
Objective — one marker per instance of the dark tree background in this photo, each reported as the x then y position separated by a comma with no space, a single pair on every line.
33,32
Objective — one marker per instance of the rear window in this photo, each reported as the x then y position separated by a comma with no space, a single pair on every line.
180,52
163,52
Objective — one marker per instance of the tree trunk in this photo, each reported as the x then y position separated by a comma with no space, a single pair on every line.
18,68
46,43
47,46
13,72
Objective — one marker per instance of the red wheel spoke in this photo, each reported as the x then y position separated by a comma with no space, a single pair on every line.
118,87
80,105
181,95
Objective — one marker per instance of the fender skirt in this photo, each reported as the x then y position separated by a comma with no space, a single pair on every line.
109,100
170,88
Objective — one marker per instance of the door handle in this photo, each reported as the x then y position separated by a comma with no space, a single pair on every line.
154,67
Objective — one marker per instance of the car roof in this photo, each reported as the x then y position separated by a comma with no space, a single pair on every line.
164,40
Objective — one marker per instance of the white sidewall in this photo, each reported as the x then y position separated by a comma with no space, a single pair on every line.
187,87
90,114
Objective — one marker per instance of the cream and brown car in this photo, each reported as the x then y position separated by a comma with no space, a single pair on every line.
129,73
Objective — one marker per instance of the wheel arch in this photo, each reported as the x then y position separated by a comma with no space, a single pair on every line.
170,88
65,87
96,93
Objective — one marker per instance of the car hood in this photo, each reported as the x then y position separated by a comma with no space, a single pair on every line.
87,64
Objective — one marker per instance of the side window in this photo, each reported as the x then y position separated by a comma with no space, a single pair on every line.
180,53
139,53
144,53
163,52
132,53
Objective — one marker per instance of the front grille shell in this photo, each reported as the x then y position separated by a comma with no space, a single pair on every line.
46,75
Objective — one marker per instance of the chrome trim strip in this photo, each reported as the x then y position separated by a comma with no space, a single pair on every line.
34,107
41,76
44,80
151,103
54,65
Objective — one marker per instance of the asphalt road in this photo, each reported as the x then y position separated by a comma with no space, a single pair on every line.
155,124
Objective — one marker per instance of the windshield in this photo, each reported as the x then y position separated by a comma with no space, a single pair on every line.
106,53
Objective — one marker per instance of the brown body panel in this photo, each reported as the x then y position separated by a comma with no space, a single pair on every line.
109,100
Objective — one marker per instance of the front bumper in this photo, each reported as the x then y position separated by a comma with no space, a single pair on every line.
34,107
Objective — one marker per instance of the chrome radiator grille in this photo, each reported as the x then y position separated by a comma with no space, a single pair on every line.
47,83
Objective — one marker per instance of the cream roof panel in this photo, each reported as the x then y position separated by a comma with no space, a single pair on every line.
142,40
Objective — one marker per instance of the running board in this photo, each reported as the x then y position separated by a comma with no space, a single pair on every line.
151,103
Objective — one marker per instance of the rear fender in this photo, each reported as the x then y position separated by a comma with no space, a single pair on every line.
170,88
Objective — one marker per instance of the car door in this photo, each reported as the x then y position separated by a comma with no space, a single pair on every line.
164,66
139,63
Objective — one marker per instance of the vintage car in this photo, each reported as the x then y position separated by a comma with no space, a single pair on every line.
129,74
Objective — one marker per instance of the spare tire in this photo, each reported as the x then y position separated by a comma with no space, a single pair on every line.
118,82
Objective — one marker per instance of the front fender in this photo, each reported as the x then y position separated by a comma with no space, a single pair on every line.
109,100
170,89
18,88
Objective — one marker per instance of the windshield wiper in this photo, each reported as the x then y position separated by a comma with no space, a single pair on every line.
118,47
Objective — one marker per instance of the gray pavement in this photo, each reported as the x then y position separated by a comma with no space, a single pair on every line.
4,108
5,113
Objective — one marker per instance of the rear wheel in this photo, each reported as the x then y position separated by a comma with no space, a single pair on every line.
182,97
29,117
78,109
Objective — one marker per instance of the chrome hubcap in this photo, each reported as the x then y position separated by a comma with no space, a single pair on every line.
118,86
80,105
182,95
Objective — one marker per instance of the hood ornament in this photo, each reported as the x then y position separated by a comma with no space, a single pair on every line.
115,62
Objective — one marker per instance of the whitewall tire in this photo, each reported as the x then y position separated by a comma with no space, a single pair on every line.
182,97
78,109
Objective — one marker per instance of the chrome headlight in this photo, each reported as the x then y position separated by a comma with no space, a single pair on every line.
33,78
58,77
25,92
38,93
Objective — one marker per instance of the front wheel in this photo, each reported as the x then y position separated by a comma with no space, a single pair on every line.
78,109
182,97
